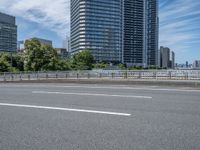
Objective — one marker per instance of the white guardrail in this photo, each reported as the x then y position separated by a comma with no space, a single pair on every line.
104,74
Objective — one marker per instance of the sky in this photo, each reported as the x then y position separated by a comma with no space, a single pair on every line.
179,23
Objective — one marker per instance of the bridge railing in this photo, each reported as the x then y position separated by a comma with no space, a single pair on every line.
104,74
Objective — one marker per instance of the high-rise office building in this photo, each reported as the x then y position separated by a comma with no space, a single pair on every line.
96,25
116,30
140,32
8,33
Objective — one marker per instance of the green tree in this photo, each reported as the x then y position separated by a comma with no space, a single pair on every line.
122,66
40,57
33,55
4,64
50,58
100,65
82,60
18,61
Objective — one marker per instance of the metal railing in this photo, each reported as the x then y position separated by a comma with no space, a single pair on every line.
104,74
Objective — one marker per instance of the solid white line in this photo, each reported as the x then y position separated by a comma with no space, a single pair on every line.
65,109
91,94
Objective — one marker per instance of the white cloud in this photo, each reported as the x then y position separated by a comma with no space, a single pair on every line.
53,15
179,24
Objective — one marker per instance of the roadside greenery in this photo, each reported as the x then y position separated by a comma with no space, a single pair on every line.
38,57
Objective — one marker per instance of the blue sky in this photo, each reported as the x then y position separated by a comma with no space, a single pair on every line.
179,23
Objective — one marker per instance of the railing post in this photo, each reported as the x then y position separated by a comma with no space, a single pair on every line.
20,76
155,74
112,74
170,75
126,75
77,75
56,75
12,77
4,77
66,75
37,75
100,75
140,74
186,76
29,77
47,76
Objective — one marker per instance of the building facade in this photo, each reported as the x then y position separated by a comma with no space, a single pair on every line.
140,38
96,25
196,64
167,58
42,41
8,33
172,60
66,44
116,30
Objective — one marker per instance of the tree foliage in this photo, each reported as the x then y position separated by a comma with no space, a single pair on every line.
82,60
4,64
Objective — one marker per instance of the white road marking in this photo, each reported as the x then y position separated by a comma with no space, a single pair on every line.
150,88
65,109
91,94
130,88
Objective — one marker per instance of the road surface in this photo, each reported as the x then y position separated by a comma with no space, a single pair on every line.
98,117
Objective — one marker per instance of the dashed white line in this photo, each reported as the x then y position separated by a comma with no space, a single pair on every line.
65,109
91,94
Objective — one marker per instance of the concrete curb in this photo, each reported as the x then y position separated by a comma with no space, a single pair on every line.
174,83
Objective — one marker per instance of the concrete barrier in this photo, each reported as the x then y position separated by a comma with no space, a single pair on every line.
175,83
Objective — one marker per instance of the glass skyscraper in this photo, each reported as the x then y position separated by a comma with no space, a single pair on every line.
116,30
8,33
140,32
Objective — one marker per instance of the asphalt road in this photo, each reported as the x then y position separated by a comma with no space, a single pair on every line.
98,117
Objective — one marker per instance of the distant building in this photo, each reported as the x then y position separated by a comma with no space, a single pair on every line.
42,41
21,46
187,64
8,33
62,52
172,60
196,64
66,44
165,57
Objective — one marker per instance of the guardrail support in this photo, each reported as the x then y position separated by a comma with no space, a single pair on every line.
12,77
4,77
113,75
20,76
47,76
100,75
29,77
77,75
